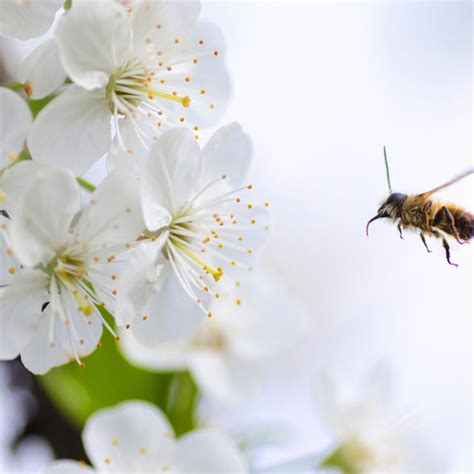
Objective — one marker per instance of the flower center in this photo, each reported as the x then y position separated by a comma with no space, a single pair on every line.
133,86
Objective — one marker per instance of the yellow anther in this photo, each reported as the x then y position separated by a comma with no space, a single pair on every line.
107,460
11,270
142,450
115,442
84,306
238,302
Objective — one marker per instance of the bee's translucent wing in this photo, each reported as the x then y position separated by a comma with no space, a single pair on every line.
449,183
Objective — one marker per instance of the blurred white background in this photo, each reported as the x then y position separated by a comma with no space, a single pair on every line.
321,87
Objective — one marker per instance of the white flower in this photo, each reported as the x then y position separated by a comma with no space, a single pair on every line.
202,230
49,313
25,19
153,66
370,436
15,122
135,437
224,353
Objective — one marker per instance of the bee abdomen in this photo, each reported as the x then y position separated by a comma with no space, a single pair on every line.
463,222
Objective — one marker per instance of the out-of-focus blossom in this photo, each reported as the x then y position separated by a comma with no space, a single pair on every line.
369,435
135,437
225,354
15,122
202,233
32,453
151,67
25,19
49,313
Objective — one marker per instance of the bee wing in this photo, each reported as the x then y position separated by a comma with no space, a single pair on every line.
449,183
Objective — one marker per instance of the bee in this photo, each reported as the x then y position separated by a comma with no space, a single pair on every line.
428,216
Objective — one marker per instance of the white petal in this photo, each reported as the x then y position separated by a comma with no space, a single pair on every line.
226,379
208,451
25,20
138,279
20,309
133,437
67,467
94,39
73,131
136,154
15,122
160,23
209,74
114,217
38,230
17,180
166,356
172,173
171,313
42,72
228,151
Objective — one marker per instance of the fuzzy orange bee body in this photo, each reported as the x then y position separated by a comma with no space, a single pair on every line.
430,217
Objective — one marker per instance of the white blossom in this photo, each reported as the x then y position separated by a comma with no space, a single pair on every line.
49,313
202,230
153,66
226,353
370,434
25,19
135,437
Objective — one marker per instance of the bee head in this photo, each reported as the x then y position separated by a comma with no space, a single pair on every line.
390,208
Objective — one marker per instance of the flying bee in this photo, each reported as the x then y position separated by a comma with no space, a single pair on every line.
430,217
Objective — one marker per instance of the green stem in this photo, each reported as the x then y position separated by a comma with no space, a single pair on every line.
86,184
14,86
181,404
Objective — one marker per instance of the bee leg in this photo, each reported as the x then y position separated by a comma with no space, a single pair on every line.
448,254
450,219
399,227
425,210
424,243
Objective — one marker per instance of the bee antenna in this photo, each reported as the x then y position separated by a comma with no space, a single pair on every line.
387,170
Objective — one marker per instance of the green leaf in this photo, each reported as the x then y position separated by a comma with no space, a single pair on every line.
37,105
109,379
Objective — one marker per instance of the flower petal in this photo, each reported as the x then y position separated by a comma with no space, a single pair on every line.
172,172
38,230
170,313
94,39
114,217
161,23
208,451
134,436
75,338
139,279
15,122
208,85
20,309
226,379
166,356
229,151
25,20
42,72
73,131
67,467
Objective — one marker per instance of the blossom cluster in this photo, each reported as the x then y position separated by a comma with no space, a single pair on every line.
172,226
